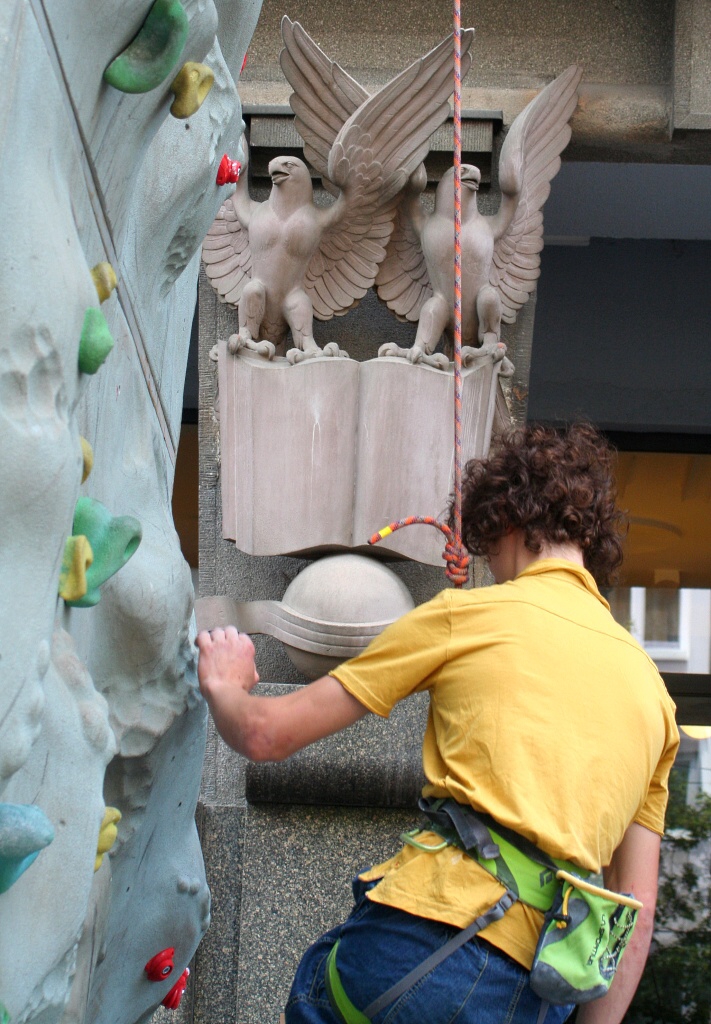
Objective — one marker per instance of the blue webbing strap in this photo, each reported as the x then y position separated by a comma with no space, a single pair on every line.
395,991
472,832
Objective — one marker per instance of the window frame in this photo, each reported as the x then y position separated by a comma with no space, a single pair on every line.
672,651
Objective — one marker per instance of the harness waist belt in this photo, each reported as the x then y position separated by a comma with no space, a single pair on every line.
519,865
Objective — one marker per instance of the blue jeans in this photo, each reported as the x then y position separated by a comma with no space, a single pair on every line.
476,984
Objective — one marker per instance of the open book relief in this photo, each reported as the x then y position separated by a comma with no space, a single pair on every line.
320,455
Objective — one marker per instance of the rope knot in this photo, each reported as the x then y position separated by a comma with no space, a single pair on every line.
457,558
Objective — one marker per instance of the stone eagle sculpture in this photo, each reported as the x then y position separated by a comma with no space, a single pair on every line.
286,260
500,253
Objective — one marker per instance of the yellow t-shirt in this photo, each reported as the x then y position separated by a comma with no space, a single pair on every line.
544,713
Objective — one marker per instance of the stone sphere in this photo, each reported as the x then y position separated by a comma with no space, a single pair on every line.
335,606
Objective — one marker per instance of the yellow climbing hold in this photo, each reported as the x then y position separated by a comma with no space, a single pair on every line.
77,558
190,87
104,277
107,834
87,458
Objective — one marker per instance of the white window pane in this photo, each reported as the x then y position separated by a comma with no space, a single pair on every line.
661,621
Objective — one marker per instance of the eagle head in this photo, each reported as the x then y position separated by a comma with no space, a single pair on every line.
288,168
444,196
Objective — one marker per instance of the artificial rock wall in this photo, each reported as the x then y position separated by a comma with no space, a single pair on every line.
98,705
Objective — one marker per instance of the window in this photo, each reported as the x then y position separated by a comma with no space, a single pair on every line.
658,618
661,618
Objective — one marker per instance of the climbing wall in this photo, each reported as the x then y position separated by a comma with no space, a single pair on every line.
107,186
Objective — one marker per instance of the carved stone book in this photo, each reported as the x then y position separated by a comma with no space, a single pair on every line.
320,455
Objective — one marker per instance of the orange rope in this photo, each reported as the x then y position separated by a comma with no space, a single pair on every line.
457,272
455,554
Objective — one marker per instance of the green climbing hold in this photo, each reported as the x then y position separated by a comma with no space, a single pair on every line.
4,1015
154,50
113,540
24,830
96,341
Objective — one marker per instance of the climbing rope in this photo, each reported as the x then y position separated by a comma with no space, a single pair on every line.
455,554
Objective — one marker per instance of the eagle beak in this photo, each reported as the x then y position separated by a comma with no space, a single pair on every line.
470,179
278,176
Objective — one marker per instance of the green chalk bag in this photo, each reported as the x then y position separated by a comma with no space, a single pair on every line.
582,941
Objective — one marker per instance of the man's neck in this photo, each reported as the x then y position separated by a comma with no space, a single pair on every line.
569,551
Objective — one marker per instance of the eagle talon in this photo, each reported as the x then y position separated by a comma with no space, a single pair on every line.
297,355
471,355
262,348
236,342
391,349
332,349
438,359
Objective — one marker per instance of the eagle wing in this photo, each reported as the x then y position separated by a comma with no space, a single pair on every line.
402,281
227,256
530,159
323,99
371,160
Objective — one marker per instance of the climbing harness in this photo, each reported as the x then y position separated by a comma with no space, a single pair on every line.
455,554
525,870
585,929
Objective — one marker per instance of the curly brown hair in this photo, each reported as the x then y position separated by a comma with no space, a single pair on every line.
555,487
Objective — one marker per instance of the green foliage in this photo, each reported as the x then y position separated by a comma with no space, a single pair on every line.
675,987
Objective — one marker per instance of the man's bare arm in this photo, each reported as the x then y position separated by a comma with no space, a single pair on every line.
266,728
634,868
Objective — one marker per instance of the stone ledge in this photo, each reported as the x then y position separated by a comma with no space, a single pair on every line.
374,763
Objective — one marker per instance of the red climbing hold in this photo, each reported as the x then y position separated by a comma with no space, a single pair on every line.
172,1000
244,64
228,171
161,965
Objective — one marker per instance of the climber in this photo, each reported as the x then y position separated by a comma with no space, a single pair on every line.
545,715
